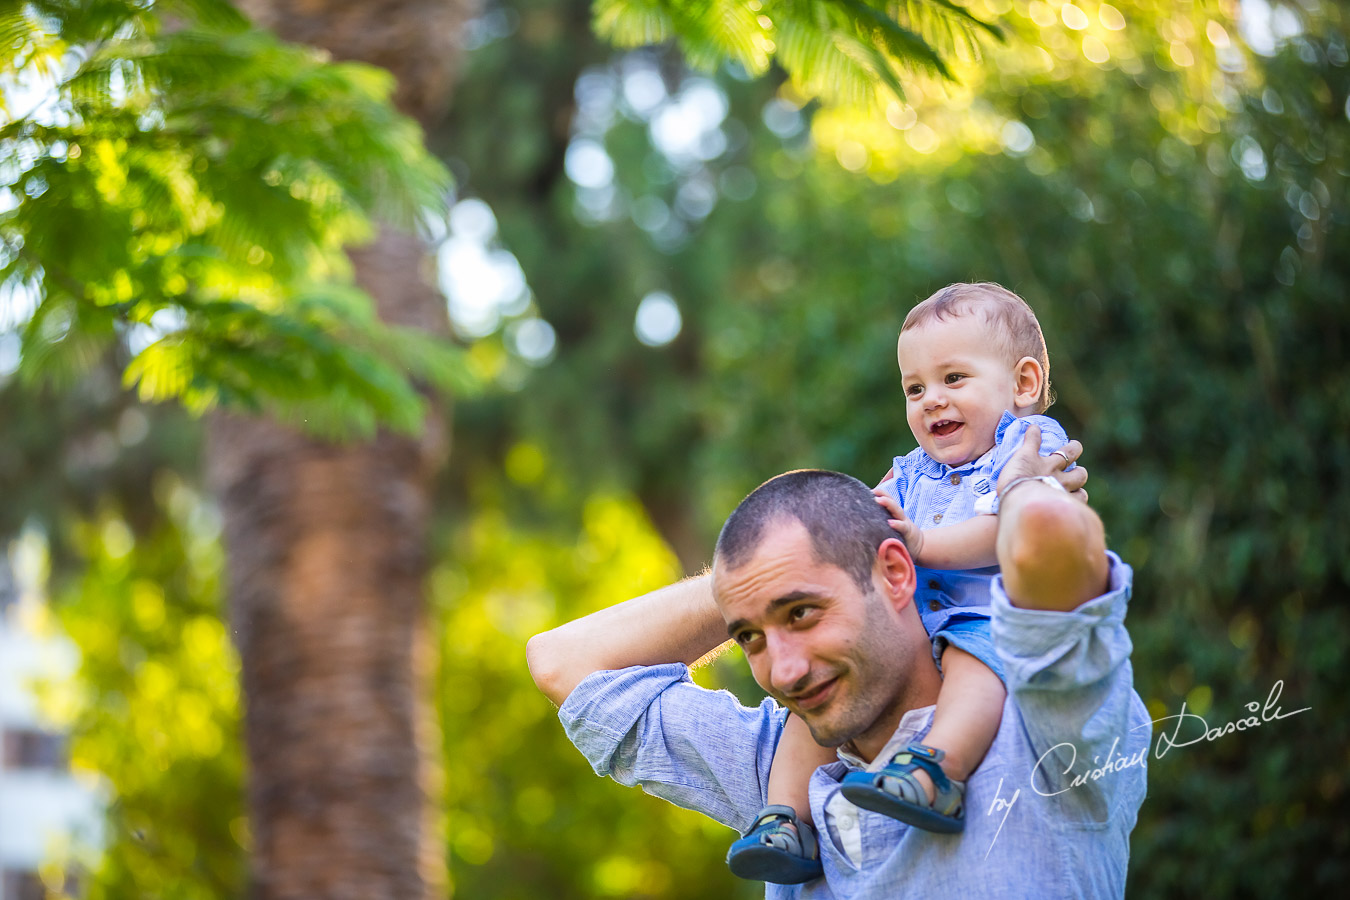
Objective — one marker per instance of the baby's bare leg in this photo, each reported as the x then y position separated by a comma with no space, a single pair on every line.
796,757
969,709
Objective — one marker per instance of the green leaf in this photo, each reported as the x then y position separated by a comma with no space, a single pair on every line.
901,43
632,23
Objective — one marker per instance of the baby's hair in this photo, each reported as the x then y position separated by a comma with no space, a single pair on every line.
1012,323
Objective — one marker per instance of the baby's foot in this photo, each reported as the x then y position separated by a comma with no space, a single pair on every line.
912,788
779,847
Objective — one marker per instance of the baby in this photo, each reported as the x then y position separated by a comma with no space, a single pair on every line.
975,374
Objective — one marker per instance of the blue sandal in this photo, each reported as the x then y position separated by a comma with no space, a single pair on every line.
772,851
895,792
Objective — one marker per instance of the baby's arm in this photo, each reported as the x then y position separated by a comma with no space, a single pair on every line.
965,545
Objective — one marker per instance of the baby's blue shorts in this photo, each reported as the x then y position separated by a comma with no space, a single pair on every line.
972,633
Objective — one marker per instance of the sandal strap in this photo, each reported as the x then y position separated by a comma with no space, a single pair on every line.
948,796
922,756
767,827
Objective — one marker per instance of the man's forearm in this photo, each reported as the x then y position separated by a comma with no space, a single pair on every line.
1051,549
678,623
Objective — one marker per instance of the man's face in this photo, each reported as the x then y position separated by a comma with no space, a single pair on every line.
828,651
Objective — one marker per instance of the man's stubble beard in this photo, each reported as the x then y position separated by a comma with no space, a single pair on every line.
875,677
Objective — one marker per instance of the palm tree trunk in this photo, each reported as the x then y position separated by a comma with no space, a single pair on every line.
327,557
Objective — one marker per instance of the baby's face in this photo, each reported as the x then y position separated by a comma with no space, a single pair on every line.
957,383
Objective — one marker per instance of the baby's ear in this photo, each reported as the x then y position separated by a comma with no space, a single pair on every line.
1029,379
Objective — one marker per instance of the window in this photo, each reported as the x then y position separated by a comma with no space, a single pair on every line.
28,749
9,594
23,885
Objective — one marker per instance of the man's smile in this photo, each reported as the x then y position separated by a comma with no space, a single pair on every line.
815,696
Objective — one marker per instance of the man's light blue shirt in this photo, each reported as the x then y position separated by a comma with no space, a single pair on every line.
1048,813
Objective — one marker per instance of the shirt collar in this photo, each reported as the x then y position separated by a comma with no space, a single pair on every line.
913,725
934,469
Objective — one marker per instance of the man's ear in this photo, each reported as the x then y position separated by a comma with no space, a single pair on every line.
1029,381
896,569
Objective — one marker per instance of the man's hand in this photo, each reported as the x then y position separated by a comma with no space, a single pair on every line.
910,533
1027,462
1052,552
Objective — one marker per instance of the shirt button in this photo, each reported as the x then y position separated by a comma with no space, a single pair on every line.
937,517
934,584
956,478
934,605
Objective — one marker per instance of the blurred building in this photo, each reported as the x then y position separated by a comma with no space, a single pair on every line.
43,807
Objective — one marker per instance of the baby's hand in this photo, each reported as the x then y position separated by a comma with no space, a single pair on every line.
910,533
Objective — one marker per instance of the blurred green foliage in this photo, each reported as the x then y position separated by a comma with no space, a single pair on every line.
1172,203
854,52
516,824
183,186
154,709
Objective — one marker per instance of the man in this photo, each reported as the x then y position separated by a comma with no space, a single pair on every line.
812,583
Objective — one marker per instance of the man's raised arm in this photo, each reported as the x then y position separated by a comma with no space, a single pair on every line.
1059,626
1051,547
678,623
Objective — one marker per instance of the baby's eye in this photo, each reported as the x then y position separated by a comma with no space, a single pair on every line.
914,390
954,377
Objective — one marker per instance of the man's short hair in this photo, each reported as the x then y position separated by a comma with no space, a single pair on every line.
1012,323
839,512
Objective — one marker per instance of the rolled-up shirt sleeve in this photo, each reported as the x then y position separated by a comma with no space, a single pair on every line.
699,749
1070,677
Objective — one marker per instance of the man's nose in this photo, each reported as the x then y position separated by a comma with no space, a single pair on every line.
788,665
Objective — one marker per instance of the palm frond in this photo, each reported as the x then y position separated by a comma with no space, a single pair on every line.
899,42
632,23
831,64
956,13
850,52
732,31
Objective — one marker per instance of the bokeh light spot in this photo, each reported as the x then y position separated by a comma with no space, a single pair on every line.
533,339
922,138
1073,17
1017,138
658,319
1094,50
851,155
587,164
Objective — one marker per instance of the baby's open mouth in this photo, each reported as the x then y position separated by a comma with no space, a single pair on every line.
945,428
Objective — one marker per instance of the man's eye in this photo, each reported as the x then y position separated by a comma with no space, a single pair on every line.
746,638
801,613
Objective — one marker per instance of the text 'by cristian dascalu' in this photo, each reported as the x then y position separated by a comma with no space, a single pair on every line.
1189,728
